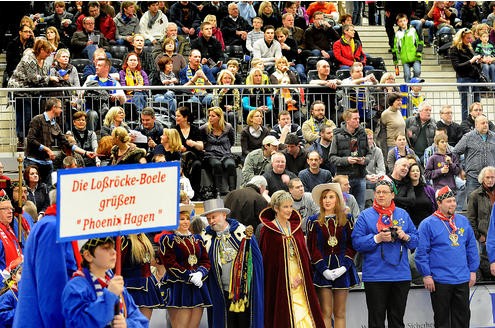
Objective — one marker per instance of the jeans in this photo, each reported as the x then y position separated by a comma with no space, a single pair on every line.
140,99
465,91
356,12
301,71
489,71
419,28
358,190
25,109
205,99
471,185
416,66
460,196
366,68
169,99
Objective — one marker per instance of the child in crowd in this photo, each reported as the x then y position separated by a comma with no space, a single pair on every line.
487,50
255,34
258,63
167,78
415,95
8,294
234,66
97,298
408,47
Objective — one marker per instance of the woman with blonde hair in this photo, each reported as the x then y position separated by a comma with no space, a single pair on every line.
171,145
228,99
217,33
115,117
285,256
267,14
331,252
467,66
218,138
137,253
256,98
123,151
253,133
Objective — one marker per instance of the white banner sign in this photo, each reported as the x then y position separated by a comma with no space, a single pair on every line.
117,200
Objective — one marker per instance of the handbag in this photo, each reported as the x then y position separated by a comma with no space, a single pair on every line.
482,78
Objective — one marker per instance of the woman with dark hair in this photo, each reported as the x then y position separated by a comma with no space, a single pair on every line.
192,147
218,137
425,202
37,191
169,50
400,150
85,139
253,133
132,74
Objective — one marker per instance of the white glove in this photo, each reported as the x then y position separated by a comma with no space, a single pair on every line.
328,274
196,279
335,273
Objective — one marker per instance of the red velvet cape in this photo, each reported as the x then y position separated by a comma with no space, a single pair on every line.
277,288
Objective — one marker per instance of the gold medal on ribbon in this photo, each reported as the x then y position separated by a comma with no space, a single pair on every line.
454,238
192,260
333,241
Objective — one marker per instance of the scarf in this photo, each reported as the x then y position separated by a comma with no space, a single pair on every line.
350,43
199,81
152,20
125,18
10,244
384,215
450,220
398,155
490,192
133,78
81,137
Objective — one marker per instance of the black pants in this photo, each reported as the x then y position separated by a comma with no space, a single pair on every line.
386,298
451,305
237,319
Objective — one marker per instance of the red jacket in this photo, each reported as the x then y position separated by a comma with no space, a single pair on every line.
104,23
343,53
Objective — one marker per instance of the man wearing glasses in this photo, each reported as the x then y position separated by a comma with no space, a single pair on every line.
15,49
85,42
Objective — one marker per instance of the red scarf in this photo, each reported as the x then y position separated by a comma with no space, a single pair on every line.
10,244
450,220
385,215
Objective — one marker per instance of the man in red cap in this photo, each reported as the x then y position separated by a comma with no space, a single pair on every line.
447,258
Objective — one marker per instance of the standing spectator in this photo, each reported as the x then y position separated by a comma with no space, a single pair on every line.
478,147
392,9
319,37
376,166
314,174
284,127
247,202
454,130
322,146
126,23
480,205
447,258
424,195
350,154
311,127
467,67
392,120
103,22
186,15
278,177
234,27
408,47
443,166
295,154
153,24
475,110
421,129
285,254
218,138
303,202
332,253
132,74
386,272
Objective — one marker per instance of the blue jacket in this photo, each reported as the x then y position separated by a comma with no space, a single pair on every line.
490,239
435,255
8,303
383,261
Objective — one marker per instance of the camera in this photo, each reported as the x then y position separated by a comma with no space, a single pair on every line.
393,233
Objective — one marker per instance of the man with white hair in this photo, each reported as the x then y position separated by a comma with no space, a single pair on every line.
224,238
245,204
421,129
278,177
182,45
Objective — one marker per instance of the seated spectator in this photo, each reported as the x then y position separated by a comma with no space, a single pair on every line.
170,51
286,127
454,130
401,150
255,34
258,63
314,174
210,48
295,154
234,27
132,75
298,12
291,52
348,50
392,120
487,51
328,85
404,195
258,160
319,37
144,56
295,33
63,21
268,49
167,79
257,98
311,127
349,200
196,74
186,15
37,190
421,129
471,14
217,9
104,150
216,32
182,45
234,66
475,110
328,9
228,99
253,134
269,17
170,145
124,151
218,137
53,38
278,177
99,54
68,156
246,11
85,42
85,139
98,101
153,24
126,23
289,97
424,196
114,118
303,201
441,18
360,98
103,22
151,129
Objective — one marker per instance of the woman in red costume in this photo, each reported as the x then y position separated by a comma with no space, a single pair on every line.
289,290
